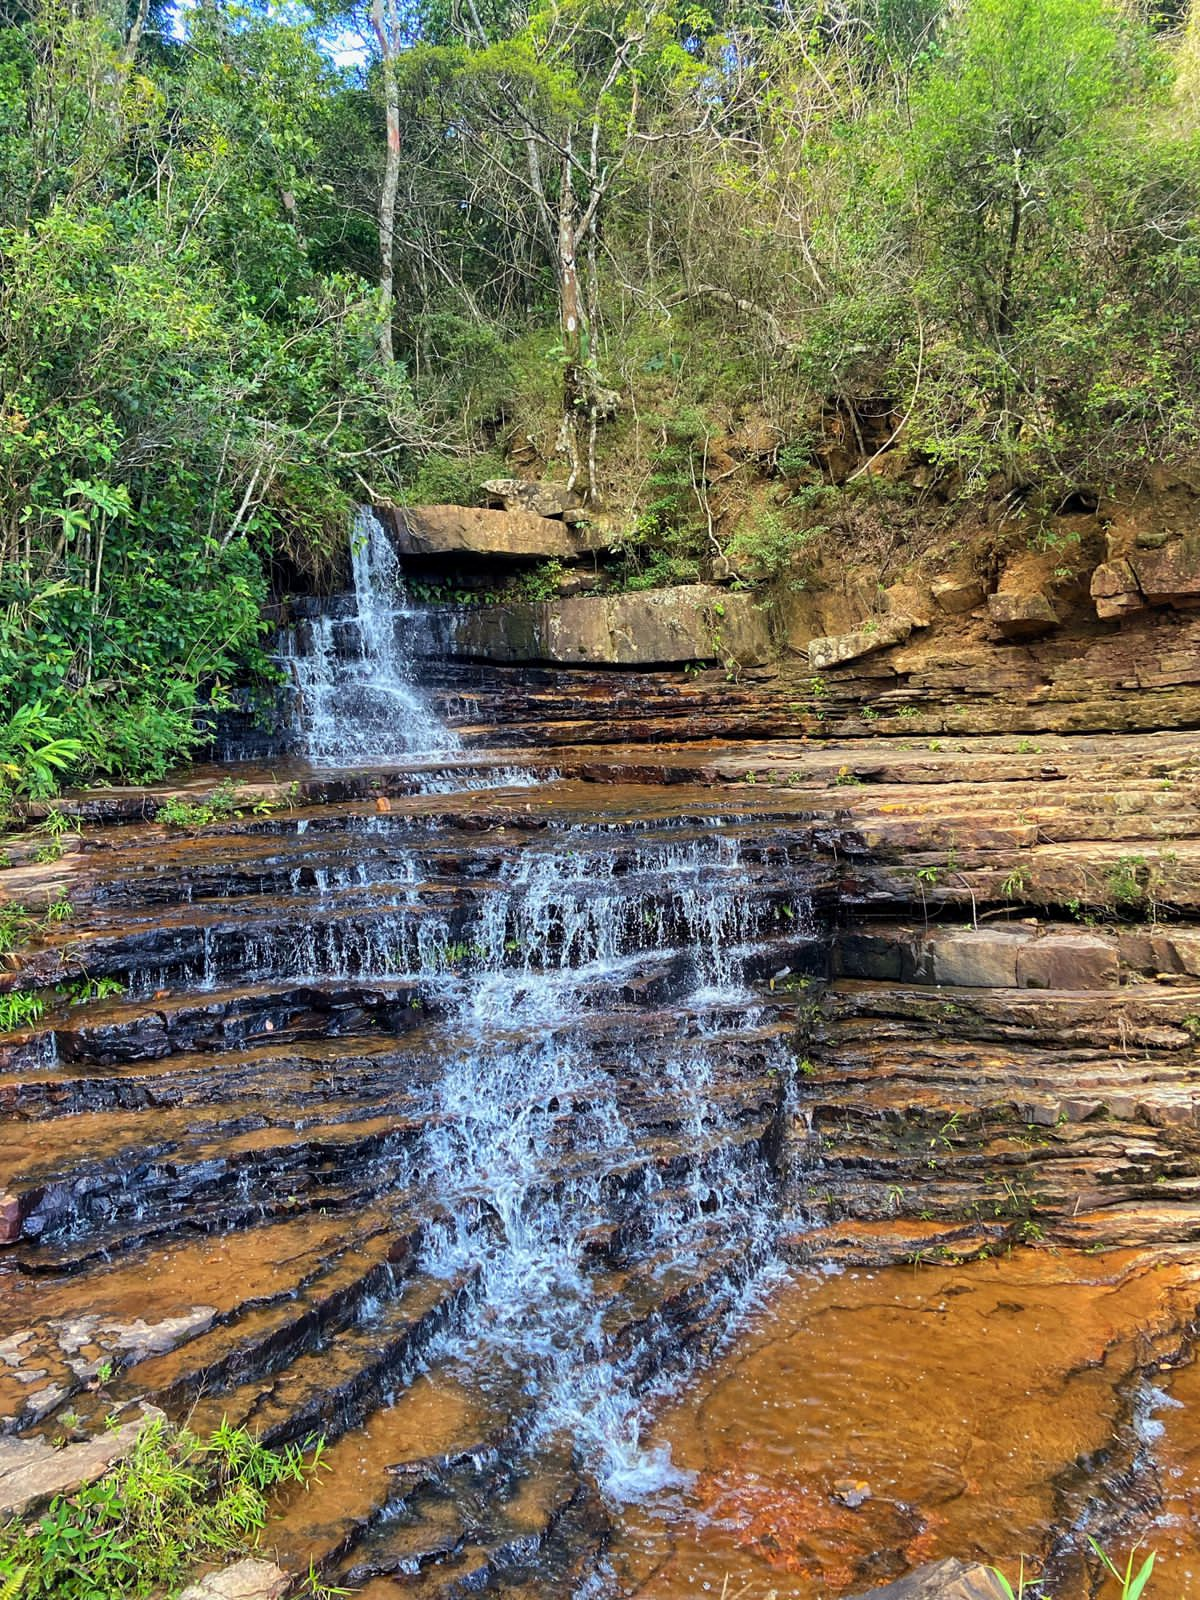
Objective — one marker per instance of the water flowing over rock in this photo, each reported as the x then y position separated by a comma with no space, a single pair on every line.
447,1125
464,1112
353,668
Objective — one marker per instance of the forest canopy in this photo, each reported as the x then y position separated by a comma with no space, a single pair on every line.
261,262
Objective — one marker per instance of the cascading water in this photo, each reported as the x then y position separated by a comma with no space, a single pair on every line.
488,1098
541,1120
358,698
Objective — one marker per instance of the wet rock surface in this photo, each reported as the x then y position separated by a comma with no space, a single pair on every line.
1000,1407
416,1115
870,1005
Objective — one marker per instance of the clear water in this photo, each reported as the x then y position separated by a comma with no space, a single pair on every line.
537,1124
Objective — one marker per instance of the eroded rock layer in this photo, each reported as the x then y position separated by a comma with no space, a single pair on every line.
453,1126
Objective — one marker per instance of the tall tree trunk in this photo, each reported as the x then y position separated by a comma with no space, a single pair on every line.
386,34
133,38
1004,304
572,320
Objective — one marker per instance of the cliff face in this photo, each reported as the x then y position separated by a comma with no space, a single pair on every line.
837,926
1085,620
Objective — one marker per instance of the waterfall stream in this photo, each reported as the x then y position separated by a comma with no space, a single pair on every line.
444,1120
357,696
534,1128
527,1084
461,1124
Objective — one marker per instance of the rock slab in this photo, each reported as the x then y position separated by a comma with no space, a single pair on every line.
541,499
956,595
433,531
1170,575
32,1471
1021,616
251,1579
659,627
942,1580
833,649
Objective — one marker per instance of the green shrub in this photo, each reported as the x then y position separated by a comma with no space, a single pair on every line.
176,1501
442,479
20,1009
769,545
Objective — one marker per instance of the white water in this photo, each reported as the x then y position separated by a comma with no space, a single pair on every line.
570,1099
538,1121
358,700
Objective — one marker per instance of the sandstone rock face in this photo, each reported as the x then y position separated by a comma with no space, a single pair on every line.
1021,616
250,1579
32,1471
821,610
956,595
540,499
1015,957
1169,575
493,535
1115,590
907,600
942,1580
662,627
975,958
1069,961
833,649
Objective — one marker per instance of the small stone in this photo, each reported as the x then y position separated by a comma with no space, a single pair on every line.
956,595
851,1492
251,1579
1152,538
10,1218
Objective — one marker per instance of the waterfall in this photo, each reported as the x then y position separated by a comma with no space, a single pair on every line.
357,696
542,1121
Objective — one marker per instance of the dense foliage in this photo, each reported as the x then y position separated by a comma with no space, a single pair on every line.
182,392
258,262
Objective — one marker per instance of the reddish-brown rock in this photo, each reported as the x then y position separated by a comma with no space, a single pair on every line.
1114,588
1021,616
1169,575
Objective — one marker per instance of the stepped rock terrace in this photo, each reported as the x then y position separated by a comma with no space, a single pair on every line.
461,1127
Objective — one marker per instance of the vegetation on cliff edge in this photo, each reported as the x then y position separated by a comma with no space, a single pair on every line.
262,261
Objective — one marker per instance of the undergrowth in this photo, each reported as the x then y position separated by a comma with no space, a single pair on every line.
178,1500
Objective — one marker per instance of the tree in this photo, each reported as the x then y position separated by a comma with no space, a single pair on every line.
553,116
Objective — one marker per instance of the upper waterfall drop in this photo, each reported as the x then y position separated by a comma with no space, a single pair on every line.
355,674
